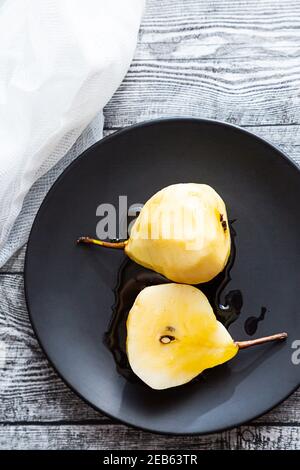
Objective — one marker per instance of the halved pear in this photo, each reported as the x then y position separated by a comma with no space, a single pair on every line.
173,336
182,232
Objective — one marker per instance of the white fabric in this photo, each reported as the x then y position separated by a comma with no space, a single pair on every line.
60,62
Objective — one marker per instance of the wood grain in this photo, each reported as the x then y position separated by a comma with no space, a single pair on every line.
105,437
240,91
121,437
269,438
236,61
218,22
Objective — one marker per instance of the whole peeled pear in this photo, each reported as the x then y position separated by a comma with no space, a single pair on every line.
182,232
173,335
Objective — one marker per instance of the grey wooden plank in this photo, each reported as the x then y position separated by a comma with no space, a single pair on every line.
105,437
238,63
218,22
30,389
205,48
249,91
114,437
269,438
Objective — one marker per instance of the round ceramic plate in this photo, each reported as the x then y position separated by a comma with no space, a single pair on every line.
71,289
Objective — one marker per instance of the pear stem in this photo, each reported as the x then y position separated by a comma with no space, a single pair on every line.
93,241
266,339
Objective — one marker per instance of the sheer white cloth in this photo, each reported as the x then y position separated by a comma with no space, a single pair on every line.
60,62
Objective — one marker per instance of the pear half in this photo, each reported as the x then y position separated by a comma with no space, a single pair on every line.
181,232
173,335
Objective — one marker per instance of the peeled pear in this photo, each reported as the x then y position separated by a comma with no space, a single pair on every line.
173,335
181,232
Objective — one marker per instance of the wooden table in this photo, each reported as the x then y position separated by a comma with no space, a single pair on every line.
238,61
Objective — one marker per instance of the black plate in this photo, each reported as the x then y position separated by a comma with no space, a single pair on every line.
70,289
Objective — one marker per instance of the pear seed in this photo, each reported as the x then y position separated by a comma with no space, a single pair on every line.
166,339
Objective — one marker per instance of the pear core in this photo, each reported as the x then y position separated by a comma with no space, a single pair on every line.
182,232
173,335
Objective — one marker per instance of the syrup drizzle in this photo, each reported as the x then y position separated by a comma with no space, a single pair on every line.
132,278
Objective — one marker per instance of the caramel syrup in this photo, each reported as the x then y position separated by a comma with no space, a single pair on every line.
132,278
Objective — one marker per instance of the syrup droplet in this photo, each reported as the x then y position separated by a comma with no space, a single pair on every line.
251,323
